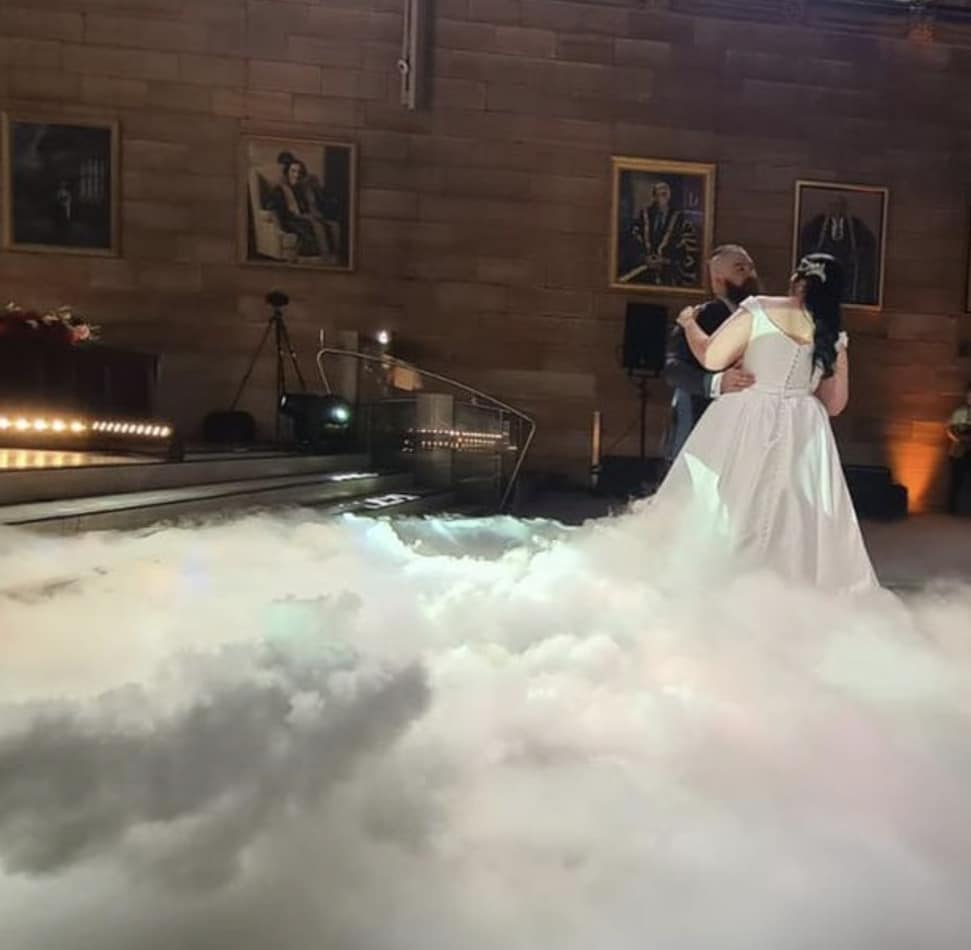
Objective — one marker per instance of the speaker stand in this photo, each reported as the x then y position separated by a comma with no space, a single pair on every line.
641,381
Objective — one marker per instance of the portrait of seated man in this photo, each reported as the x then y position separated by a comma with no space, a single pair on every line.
295,214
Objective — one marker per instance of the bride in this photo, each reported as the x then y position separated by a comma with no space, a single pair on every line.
761,469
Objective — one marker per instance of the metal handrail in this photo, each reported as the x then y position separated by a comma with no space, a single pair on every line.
385,361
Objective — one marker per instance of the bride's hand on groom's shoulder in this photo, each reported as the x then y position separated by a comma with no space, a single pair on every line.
688,315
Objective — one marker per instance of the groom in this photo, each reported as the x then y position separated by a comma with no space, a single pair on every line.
733,278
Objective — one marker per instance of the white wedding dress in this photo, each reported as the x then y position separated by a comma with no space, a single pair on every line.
760,475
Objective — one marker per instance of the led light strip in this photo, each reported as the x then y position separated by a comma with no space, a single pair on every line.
40,424
22,424
458,434
132,428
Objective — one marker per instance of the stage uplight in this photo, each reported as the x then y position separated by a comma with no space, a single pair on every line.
319,421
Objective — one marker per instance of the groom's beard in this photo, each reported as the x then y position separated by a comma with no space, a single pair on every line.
736,293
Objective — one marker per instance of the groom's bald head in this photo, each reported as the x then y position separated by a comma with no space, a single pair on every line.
733,273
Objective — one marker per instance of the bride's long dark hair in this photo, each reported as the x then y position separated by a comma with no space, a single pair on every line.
823,279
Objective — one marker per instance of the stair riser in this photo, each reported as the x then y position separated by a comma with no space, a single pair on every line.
326,494
29,485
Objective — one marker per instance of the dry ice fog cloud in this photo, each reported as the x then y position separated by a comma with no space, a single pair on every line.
306,734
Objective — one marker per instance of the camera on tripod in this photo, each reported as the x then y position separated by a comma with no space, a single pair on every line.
319,420
277,299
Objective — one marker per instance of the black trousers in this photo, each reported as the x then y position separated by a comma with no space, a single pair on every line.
960,473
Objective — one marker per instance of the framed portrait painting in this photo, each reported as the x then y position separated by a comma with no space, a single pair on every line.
60,185
298,203
849,222
661,222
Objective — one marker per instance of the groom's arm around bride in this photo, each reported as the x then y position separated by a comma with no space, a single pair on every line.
694,386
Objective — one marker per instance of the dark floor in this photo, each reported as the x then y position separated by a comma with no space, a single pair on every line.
906,553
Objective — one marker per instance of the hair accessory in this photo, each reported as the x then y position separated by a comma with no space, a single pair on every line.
813,269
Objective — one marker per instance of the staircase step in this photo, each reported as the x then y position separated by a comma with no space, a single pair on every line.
138,509
40,484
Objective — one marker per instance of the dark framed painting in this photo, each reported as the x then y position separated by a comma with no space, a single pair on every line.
298,203
849,222
661,225
60,185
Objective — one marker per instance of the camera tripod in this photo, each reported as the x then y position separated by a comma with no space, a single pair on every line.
284,347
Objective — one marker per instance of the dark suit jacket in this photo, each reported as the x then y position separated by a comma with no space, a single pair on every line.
689,379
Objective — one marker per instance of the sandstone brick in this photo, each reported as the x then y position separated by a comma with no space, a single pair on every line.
155,216
440,267
122,63
319,51
392,146
527,101
253,105
106,91
508,271
584,49
471,153
171,278
546,302
452,9
458,35
463,210
486,183
153,156
207,218
520,41
178,97
326,111
25,20
354,24
271,15
44,85
380,57
211,70
353,84
111,274
394,175
38,54
574,189
197,184
641,52
226,40
575,17
215,132
491,66
459,298
283,77
144,33
458,94
385,203
495,11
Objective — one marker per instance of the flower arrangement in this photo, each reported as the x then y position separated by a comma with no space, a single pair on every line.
59,326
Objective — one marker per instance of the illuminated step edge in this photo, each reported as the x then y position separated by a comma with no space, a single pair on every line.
140,509
74,479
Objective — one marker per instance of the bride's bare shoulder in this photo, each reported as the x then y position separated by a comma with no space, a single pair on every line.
776,303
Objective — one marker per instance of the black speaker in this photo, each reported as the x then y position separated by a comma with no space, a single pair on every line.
645,338
229,428
874,493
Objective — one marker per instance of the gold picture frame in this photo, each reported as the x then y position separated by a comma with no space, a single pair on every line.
662,217
850,222
61,185
297,203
